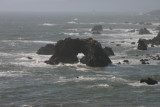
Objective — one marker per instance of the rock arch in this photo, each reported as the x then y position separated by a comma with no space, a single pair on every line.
66,51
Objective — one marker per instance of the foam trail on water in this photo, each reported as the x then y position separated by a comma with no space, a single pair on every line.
48,24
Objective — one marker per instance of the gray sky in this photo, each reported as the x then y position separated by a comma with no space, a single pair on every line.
79,5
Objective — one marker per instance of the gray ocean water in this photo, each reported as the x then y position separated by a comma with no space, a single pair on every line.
32,83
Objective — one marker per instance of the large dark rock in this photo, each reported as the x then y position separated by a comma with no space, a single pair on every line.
142,45
97,29
109,51
66,51
47,50
144,31
149,81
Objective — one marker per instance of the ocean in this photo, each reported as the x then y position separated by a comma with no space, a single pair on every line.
32,83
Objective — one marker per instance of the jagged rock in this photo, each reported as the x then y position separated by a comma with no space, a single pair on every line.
133,43
118,44
109,51
144,31
97,29
155,40
47,50
144,62
126,61
149,81
29,57
142,45
66,51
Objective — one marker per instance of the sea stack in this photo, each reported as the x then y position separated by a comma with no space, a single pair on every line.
66,51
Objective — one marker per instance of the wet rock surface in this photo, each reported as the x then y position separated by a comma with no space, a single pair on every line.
66,51
144,31
142,45
149,81
46,50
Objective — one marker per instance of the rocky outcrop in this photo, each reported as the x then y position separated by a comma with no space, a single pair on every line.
144,31
109,51
66,51
142,45
149,81
47,50
154,41
133,30
97,29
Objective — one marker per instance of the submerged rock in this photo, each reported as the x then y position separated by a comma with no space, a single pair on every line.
133,30
149,81
47,50
66,51
142,45
144,31
29,57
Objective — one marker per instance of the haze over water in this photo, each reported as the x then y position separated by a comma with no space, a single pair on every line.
27,25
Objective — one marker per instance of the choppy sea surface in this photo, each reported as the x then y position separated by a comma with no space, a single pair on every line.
32,83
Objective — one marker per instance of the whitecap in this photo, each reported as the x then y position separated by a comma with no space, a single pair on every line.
12,74
99,86
26,41
118,79
71,34
138,84
48,24
72,22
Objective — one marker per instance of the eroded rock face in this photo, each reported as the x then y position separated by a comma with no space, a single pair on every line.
144,31
142,45
155,40
149,81
47,50
109,51
66,51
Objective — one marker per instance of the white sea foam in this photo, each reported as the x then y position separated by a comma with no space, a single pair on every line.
71,34
137,84
26,41
13,74
72,22
22,60
117,79
99,86
156,24
48,24
82,69
78,79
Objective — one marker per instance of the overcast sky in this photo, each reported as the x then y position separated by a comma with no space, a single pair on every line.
79,5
